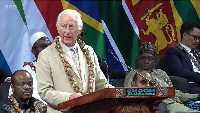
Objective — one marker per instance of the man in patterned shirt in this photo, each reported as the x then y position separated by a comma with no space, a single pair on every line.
21,101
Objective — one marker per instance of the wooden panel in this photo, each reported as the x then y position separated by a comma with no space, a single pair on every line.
108,99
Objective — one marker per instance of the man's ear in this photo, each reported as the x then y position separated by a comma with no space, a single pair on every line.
57,27
184,35
33,51
79,31
133,84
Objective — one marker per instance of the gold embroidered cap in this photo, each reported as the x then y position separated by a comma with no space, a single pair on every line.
147,47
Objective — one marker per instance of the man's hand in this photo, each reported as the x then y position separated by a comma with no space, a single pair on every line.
75,95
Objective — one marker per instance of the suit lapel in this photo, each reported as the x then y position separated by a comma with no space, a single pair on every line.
70,61
187,59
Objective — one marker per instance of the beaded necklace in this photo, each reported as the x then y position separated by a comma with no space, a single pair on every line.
16,105
189,55
31,65
68,68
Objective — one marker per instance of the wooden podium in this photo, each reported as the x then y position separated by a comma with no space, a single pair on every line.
118,100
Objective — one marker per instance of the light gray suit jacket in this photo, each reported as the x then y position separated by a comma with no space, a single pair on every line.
53,84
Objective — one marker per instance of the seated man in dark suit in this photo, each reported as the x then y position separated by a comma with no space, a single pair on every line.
183,60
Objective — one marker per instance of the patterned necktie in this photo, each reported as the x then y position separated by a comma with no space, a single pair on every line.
76,60
195,55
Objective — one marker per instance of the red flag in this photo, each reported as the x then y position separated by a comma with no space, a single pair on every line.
155,22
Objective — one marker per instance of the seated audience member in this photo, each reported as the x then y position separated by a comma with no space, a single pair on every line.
38,42
68,68
21,101
113,74
184,59
3,75
138,81
147,61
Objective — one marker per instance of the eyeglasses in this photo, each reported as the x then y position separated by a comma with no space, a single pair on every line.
150,59
195,37
70,27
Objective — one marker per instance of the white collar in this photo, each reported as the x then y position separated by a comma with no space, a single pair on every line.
74,46
69,47
185,47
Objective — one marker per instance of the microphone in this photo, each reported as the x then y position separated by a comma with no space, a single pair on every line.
104,60
154,83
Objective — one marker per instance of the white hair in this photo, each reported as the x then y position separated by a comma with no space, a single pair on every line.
74,14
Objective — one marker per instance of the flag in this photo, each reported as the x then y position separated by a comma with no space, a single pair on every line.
97,31
118,26
14,35
156,22
92,23
121,32
159,21
191,11
4,64
34,18
29,18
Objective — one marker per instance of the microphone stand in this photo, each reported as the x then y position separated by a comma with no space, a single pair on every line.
153,82
104,60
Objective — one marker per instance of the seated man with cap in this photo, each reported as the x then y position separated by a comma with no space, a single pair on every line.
147,61
38,42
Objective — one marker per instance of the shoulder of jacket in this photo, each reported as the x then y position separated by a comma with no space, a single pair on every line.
87,46
171,49
159,71
49,49
90,48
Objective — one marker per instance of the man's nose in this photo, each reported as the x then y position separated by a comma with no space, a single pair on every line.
197,39
146,60
67,30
